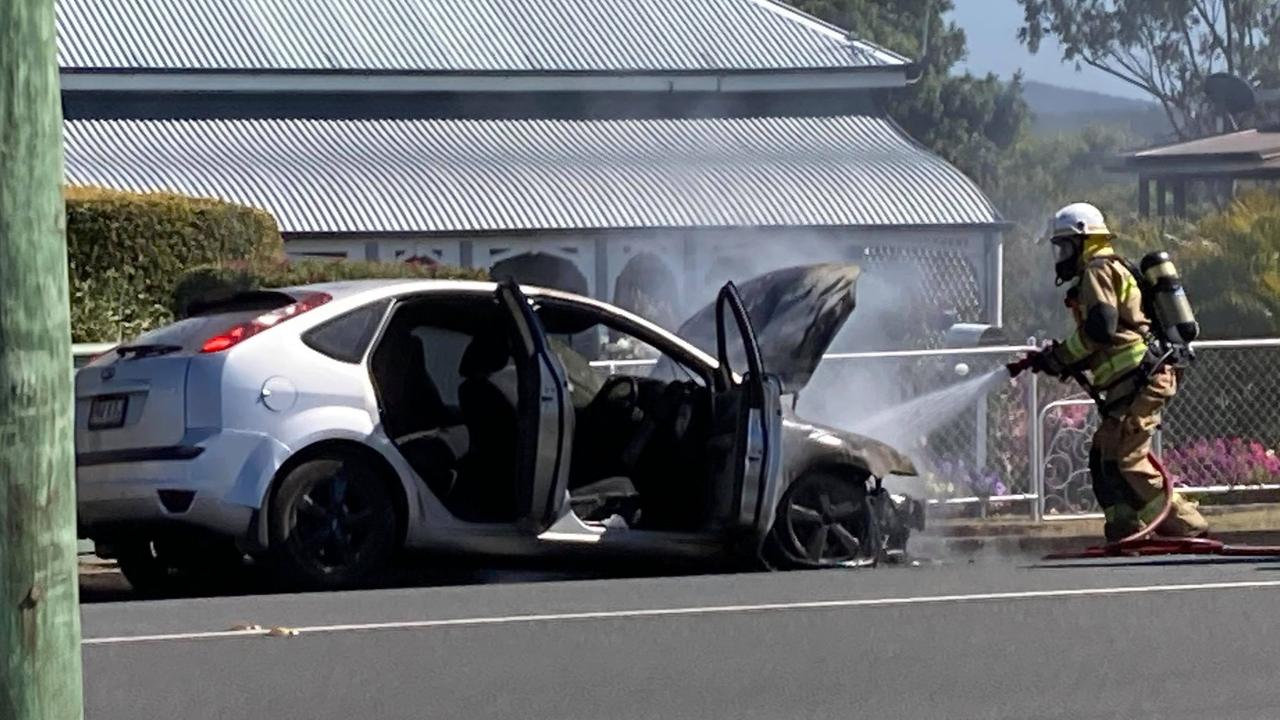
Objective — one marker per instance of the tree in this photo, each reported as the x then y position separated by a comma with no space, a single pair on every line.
39,613
967,120
1231,264
1036,177
1166,48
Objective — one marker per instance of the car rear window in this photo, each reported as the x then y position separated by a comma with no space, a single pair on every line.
208,319
347,336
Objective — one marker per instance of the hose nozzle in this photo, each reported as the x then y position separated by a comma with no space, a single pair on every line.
1017,367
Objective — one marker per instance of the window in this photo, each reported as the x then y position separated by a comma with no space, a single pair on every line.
210,318
586,342
347,336
443,349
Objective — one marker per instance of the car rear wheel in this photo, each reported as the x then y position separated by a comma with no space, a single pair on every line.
333,523
825,520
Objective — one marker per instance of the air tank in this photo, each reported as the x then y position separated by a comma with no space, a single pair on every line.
1170,304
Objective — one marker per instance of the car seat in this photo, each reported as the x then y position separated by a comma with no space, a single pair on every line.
411,402
413,411
490,411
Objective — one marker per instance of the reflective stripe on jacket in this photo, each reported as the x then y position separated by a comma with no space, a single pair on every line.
1107,282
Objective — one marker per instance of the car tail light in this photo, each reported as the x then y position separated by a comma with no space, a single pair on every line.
245,330
94,358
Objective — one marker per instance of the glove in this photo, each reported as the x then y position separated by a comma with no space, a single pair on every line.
1073,297
1046,361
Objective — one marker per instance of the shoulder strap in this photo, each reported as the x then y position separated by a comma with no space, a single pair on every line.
1129,266
1140,281
1126,263
1133,270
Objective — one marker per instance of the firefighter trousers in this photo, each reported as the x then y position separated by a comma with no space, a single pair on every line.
1126,484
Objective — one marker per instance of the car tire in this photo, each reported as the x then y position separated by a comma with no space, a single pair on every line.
171,568
333,524
825,519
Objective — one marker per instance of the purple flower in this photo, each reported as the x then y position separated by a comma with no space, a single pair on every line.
1223,461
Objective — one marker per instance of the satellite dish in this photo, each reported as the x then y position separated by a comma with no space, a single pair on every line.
1229,93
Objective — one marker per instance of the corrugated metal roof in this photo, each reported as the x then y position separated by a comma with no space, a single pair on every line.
487,175
453,36
1251,143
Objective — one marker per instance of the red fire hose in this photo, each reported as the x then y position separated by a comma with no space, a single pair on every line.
1146,542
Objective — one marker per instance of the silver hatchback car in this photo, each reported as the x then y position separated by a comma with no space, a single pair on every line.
322,429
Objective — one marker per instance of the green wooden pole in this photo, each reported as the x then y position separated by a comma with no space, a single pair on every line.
39,592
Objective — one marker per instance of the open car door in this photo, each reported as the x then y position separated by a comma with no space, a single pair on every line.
748,428
546,416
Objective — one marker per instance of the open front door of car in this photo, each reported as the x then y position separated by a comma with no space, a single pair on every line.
546,415
748,419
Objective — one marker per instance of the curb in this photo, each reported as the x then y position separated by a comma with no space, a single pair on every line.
1256,517
1015,545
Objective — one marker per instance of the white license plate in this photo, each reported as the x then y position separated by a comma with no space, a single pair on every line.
108,412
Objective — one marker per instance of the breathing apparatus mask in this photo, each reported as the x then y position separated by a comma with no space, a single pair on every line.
1068,254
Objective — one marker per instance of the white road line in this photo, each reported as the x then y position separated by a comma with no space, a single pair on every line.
691,611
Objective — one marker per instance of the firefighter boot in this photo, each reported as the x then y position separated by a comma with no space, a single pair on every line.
1121,522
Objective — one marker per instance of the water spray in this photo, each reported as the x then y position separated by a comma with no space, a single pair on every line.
903,424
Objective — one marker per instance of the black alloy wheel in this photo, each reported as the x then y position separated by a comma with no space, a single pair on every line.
333,523
825,520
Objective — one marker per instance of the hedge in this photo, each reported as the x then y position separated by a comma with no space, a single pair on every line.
210,283
125,250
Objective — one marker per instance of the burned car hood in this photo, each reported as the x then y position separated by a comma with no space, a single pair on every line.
807,443
795,312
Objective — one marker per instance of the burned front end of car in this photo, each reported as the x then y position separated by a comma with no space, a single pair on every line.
895,495
897,516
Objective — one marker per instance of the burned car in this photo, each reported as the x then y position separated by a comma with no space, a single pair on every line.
323,428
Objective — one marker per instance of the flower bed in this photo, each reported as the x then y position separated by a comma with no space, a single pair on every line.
1222,461
958,478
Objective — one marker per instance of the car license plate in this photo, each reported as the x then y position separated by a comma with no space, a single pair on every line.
108,412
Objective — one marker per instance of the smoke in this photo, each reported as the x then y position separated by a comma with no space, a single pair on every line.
898,401
843,392
895,308
892,310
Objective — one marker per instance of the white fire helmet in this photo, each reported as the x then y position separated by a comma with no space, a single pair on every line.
1078,219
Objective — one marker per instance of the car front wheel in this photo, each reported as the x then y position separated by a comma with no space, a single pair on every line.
333,524
824,520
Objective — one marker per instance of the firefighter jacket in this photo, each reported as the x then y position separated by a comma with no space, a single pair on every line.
1110,337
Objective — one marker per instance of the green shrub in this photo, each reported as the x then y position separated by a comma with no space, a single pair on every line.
125,250
209,283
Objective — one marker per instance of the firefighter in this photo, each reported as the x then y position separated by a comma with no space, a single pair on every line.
1111,351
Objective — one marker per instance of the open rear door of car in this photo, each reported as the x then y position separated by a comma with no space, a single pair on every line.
748,428
546,415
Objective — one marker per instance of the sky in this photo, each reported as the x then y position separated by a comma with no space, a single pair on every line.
991,27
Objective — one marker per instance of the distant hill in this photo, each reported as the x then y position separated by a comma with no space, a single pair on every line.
1057,109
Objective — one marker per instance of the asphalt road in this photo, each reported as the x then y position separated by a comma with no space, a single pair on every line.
997,639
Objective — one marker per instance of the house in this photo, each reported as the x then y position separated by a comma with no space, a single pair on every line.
618,149
1211,165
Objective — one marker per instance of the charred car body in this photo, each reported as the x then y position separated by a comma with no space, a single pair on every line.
323,428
